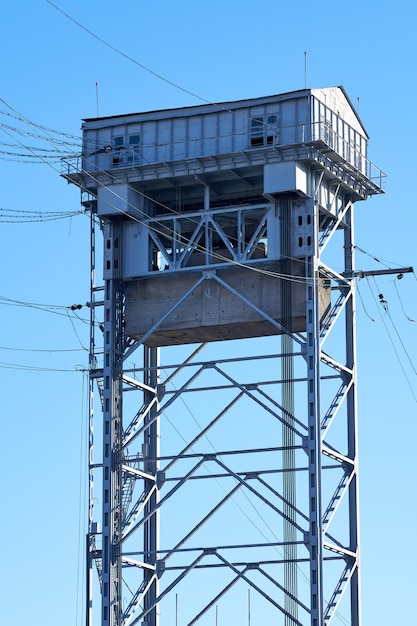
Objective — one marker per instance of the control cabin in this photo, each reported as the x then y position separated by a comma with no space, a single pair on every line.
201,192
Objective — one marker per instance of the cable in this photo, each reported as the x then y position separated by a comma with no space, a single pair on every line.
183,240
126,56
159,76
385,263
55,309
36,368
397,355
100,40
16,216
363,304
24,119
147,69
402,306
46,350
46,150
384,304
25,133
75,332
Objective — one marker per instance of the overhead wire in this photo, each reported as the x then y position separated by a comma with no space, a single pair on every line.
57,309
253,268
126,56
17,216
363,303
386,307
123,54
32,216
48,153
395,348
76,333
18,116
32,151
184,241
401,303
387,264
148,222
147,69
38,368
25,133
22,159
220,106
46,350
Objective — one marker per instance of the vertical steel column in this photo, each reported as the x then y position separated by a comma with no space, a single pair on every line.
90,539
352,425
288,435
314,441
112,427
151,452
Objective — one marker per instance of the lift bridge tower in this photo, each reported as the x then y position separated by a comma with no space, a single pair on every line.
223,464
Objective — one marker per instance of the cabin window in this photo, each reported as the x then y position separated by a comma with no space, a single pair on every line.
271,129
118,151
133,149
257,131
263,130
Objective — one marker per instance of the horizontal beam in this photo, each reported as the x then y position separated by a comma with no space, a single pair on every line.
397,270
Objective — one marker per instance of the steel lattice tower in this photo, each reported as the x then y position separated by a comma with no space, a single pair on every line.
222,369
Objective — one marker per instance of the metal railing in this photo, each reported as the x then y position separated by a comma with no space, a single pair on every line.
317,134
322,133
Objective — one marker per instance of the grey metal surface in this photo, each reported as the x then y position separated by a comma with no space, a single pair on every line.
230,465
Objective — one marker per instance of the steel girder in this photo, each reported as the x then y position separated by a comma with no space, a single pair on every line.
152,544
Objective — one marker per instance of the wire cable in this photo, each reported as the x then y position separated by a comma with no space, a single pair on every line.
401,303
36,368
363,304
46,350
385,263
397,354
48,308
16,216
127,57
184,241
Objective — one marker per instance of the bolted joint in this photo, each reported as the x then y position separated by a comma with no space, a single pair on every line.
160,568
160,479
160,392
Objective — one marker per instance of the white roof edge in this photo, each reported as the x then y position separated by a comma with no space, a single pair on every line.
207,107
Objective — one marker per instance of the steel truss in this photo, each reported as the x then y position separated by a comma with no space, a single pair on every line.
223,475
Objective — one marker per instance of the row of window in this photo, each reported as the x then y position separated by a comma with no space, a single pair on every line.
126,155
263,132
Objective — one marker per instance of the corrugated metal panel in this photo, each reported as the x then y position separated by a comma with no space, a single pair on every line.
163,144
201,131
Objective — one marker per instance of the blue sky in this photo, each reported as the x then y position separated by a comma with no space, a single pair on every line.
219,51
